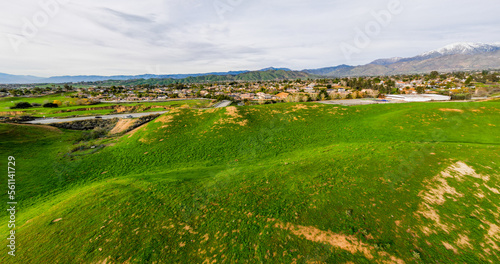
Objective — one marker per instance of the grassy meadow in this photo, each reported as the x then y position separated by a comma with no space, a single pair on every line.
86,110
283,183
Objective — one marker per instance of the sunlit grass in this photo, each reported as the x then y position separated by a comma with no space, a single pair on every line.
198,185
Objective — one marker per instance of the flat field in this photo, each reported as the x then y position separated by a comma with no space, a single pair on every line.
88,110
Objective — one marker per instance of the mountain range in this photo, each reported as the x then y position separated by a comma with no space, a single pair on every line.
455,57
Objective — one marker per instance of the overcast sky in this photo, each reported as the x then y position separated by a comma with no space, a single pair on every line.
110,37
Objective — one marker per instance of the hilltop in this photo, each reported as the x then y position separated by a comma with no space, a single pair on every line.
285,183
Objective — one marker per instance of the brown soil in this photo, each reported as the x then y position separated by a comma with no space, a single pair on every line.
233,114
348,243
439,192
300,106
463,242
451,110
13,113
122,126
131,133
450,247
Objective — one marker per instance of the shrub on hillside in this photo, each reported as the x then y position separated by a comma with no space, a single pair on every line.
50,105
88,124
461,96
21,105
95,133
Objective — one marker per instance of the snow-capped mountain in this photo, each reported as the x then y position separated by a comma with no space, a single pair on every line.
462,56
463,48
466,48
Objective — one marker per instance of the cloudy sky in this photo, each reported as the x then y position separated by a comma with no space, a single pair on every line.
110,37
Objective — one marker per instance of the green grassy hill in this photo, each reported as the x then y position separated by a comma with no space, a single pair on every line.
269,75
285,183
85,110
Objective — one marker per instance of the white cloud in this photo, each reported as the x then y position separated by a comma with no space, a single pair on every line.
108,37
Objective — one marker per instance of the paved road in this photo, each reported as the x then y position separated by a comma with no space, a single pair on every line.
135,115
55,120
222,104
151,101
357,102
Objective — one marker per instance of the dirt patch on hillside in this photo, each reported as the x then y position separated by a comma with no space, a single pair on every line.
233,112
463,241
437,195
493,234
459,170
347,243
122,126
299,107
12,113
165,120
439,191
168,118
451,110
296,108
131,133
450,247
440,194
233,115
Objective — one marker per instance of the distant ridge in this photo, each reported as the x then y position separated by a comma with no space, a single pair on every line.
327,70
261,75
21,79
462,56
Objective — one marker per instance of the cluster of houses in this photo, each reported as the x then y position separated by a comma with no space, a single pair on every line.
247,92
278,90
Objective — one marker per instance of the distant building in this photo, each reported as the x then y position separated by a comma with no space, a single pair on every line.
282,96
419,98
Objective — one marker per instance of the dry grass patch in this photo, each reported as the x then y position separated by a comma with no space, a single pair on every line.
347,243
131,133
451,110
233,115
51,128
450,247
168,118
299,107
122,126
463,242
438,190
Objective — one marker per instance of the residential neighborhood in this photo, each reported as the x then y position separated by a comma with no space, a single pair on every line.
454,86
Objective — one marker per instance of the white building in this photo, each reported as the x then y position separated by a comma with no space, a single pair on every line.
418,97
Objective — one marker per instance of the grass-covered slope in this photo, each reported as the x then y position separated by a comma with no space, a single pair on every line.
287,183
85,110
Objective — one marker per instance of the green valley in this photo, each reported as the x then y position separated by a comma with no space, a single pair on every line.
280,183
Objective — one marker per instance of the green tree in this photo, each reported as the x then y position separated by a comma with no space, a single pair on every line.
468,81
420,89
434,75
